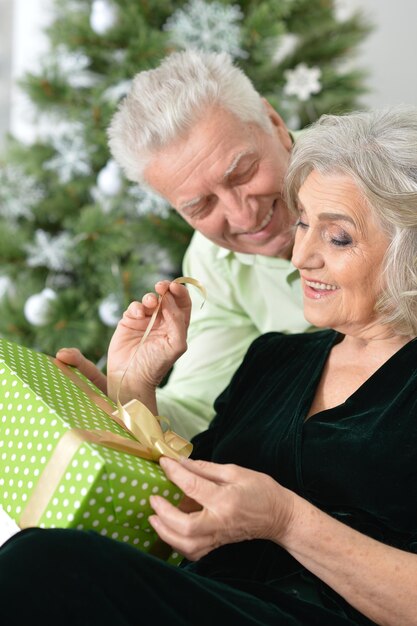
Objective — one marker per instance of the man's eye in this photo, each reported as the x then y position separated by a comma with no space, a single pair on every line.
202,209
242,177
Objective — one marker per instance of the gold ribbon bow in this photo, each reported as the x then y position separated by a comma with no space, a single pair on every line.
146,429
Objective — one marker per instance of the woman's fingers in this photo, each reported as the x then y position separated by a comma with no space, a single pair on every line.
150,301
191,534
219,473
196,487
176,297
180,292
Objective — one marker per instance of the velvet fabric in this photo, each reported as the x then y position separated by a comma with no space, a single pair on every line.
356,461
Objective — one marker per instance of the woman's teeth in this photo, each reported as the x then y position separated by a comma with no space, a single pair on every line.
321,286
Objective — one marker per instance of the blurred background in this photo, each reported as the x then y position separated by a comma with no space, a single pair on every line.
77,242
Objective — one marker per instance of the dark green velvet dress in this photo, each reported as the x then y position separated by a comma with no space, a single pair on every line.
357,462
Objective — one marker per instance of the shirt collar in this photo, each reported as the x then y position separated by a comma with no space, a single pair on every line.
260,260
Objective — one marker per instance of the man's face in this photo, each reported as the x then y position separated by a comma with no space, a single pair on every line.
225,178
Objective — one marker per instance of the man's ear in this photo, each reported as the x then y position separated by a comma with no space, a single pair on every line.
279,125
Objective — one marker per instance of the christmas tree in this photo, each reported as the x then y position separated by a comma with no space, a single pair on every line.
77,241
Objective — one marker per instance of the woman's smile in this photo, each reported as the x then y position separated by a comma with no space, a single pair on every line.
315,289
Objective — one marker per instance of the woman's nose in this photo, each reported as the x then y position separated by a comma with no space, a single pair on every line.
306,252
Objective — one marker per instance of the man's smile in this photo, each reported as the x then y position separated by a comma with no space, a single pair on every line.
264,223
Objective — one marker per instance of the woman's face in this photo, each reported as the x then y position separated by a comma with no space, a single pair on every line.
339,249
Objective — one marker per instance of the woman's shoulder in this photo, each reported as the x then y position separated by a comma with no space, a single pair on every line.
276,349
296,341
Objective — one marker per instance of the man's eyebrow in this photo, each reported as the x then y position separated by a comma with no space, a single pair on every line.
189,204
236,162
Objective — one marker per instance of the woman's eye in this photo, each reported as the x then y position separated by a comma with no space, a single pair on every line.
339,238
300,224
345,241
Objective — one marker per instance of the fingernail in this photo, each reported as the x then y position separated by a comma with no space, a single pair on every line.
185,459
153,520
165,461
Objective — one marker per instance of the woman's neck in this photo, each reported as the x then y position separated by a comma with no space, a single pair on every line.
376,345
350,363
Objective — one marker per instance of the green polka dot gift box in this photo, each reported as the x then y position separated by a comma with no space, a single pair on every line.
54,472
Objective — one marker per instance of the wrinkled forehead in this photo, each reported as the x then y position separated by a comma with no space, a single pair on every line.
337,192
214,147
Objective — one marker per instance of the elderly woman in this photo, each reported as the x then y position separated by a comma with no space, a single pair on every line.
303,510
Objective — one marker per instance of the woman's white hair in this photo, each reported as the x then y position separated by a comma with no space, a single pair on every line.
378,150
165,102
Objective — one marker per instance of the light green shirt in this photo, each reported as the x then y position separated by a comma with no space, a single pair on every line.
247,295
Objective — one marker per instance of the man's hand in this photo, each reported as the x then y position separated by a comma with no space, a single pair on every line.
72,356
236,504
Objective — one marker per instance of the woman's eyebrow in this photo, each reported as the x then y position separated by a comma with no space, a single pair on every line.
336,217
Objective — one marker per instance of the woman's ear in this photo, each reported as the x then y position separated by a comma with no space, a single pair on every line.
279,125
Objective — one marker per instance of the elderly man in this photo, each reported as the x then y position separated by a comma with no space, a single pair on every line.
196,131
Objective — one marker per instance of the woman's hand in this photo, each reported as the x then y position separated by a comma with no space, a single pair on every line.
223,504
164,345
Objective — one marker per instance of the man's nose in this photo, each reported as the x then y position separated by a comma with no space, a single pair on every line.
240,211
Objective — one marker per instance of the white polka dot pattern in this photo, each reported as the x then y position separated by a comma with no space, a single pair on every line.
101,489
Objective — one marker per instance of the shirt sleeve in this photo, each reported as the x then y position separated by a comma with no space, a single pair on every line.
219,335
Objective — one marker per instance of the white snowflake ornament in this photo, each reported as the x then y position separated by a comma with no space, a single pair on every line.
37,307
110,311
50,251
208,26
109,179
103,16
73,68
287,43
72,156
19,193
302,81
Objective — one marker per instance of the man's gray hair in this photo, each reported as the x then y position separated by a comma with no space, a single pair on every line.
164,103
378,150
